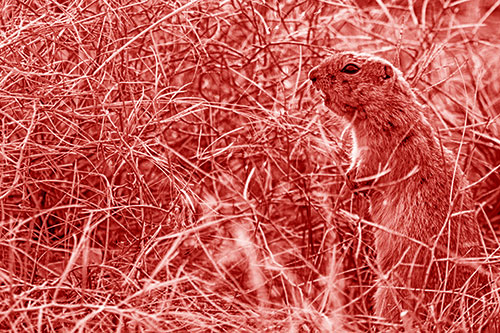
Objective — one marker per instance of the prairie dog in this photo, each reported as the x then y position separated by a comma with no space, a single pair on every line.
429,254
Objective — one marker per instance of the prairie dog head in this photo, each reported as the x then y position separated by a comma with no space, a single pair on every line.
359,84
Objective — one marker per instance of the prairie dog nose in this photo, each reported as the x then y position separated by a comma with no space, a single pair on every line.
313,76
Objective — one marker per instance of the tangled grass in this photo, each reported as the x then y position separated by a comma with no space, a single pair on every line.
165,167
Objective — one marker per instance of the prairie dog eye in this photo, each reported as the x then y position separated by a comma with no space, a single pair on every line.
350,69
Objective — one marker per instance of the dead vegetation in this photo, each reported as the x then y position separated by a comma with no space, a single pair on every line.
165,167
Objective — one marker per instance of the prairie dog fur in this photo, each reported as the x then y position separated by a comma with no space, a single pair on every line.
429,253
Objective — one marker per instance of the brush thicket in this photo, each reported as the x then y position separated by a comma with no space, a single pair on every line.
165,166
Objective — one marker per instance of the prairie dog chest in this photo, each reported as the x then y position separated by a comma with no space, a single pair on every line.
355,154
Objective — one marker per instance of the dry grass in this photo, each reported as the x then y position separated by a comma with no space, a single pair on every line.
165,167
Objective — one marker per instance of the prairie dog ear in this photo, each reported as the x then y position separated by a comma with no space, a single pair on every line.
387,72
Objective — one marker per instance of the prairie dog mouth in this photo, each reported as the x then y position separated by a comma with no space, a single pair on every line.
326,98
315,87
318,89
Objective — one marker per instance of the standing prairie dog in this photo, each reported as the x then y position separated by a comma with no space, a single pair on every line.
432,272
